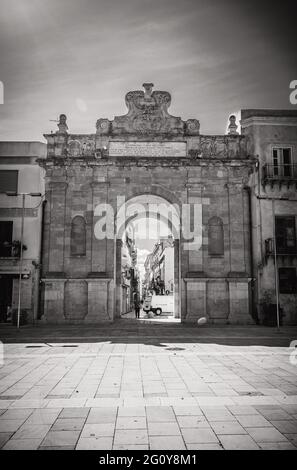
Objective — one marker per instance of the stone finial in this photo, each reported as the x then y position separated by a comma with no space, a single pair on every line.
148,89
62,125
232,128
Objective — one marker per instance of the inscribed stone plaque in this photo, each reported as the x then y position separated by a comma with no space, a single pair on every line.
147,149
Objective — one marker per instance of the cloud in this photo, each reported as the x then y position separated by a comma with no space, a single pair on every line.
55,53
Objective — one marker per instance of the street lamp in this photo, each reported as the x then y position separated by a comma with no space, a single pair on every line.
12,193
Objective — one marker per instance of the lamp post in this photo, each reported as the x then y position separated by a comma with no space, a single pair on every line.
10,193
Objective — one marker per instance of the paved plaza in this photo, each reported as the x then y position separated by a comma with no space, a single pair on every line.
137,385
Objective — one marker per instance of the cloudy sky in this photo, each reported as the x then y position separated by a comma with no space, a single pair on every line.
80,57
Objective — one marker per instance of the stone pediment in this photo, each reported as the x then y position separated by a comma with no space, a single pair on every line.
147,115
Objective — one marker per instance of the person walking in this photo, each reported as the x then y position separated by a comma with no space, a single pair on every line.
137,308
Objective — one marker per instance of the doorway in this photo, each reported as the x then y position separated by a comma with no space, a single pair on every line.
147,260
6,284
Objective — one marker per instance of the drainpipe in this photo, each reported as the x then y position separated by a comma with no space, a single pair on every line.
254,311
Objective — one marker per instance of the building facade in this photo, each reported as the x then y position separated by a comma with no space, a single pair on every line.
20,173
271,137
148,275
146,154
159,266
129,273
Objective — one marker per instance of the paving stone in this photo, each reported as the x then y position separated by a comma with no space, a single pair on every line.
198,436
160,414
266,434
163,429
136,422
227,427
187,411
215,401
131,436
286,426
94,443
105,402
4,404
56,448
130,447
166,443
275,413
292,438
60,438
133,402
270,391
66,403
218,414
29,404
131,411
290,409
22,444
238,442
243,410
11,425
277,446
286,399
32,431
98,430
253,421
43,416
4,437
254,400
17,414
193,422
102,415
68,424
74,413
213,446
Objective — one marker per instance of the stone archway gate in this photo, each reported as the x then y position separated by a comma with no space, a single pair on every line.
147,151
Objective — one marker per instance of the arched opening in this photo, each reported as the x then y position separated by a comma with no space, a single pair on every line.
147,259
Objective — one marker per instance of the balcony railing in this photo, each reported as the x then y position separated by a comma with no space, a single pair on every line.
279,174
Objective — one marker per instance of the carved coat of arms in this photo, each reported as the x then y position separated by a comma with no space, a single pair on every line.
147,113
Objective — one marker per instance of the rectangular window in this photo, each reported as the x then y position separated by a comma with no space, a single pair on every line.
5,238
287,280
8,180
285,235
282,162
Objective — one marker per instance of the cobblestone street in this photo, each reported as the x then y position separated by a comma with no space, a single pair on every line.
136,386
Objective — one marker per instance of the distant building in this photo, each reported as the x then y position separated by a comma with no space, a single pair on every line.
129,273
159,264
20,173
148,274
167,265
271,137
